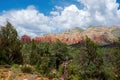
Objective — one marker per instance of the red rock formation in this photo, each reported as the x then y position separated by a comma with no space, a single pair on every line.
100,38
64,39
97,34
37,39
25,38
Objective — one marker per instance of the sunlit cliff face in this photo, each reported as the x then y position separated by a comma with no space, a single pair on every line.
100,35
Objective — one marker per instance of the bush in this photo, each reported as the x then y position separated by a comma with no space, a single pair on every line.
3,58
51,75
107,74
74,77
15,66
26,69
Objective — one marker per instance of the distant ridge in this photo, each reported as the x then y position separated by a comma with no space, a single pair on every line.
99,34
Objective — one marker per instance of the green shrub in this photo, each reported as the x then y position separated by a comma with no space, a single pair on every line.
26,69
51,75
15,66
107,74
74,77
3,58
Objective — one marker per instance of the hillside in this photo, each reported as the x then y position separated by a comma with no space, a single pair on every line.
81,59
99,34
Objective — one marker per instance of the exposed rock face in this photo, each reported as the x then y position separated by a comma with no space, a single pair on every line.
25,38
99,34
65,38
102,34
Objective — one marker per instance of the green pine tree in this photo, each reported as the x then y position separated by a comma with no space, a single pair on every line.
116,62
93,62
10,45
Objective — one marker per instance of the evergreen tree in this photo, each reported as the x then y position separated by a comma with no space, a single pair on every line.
60,52
116,62
10,45
93,62
33,54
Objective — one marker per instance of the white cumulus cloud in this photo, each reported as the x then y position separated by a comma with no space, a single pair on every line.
27,21
32,22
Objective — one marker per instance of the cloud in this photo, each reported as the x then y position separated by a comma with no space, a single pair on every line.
103,12
32,22
54,13
71,17
58,7
27,21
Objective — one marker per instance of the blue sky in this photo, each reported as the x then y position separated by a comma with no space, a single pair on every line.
118,1
44,6
37,17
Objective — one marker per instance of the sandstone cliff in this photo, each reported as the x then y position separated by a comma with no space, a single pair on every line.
99,34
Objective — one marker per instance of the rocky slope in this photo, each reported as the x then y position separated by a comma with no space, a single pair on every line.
15,74
99,34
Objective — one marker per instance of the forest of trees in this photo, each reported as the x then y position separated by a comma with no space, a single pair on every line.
56,59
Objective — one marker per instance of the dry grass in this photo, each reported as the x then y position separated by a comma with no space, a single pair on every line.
15,74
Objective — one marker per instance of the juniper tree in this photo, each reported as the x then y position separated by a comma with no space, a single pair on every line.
10,45
116,62
93,62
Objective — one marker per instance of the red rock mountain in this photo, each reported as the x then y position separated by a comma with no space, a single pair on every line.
98,34
25,38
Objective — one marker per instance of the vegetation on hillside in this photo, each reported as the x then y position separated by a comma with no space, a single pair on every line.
58,60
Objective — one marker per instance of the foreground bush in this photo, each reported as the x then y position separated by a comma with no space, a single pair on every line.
26,68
